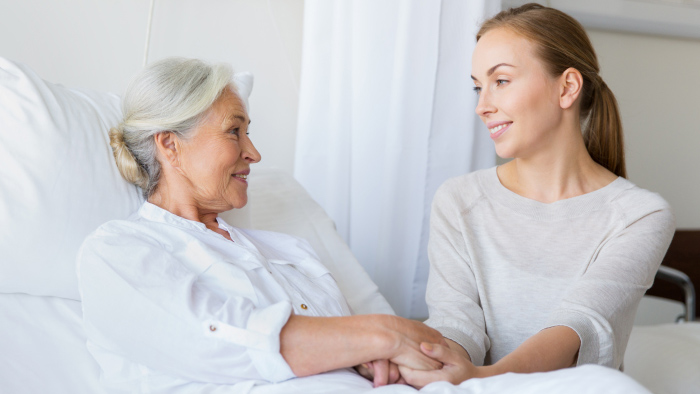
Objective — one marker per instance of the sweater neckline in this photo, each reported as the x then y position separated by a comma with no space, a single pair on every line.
566,208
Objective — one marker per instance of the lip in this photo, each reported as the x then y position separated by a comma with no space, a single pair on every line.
239,179
495,123
500,132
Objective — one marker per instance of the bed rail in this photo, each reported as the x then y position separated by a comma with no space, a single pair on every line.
680,279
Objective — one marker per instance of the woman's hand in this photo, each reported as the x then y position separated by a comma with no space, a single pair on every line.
381,372
405,337
456,367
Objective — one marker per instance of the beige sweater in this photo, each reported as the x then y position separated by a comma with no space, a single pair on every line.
503,267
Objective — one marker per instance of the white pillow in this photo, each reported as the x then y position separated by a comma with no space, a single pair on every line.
277,202
58,179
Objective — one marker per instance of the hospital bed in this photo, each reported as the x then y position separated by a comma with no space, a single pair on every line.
58,183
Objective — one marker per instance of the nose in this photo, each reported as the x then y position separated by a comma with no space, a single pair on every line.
485,106
248,151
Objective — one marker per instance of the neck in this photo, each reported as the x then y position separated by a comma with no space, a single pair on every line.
177,198
561,170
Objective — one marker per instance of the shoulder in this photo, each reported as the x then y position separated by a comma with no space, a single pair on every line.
120,232
462,192
635,203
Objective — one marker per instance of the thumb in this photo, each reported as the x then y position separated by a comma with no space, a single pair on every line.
438,352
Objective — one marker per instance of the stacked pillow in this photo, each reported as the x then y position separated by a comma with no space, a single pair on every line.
58,179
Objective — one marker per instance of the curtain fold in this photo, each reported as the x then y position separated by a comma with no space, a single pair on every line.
386,114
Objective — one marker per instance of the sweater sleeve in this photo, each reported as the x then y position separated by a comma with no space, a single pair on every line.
602,304
140,302
452,295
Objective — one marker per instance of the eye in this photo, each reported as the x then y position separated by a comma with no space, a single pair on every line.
500,82
235,131
477,90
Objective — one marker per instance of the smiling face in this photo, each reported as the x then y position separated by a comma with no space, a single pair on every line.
216,159
518,99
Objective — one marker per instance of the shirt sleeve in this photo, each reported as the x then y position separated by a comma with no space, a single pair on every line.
602,304
141,303
452,295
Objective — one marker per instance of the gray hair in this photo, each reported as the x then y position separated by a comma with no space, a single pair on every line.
170,95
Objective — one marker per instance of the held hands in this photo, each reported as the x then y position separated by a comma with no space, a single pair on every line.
456,368
402,339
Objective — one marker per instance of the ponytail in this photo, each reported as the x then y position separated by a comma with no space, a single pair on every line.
603,132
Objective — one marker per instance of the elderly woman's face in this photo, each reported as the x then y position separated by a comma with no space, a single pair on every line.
216,159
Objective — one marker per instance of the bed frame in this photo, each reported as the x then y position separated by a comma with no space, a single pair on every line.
678,271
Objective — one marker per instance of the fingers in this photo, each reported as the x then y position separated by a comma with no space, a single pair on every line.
416,359
381,372
394,374
419,379
438,352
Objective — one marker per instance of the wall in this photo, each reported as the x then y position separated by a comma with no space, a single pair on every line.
657,85
100,45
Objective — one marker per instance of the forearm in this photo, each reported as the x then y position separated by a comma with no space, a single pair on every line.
312,345
549,350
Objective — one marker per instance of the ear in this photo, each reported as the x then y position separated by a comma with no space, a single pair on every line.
571,85
168,147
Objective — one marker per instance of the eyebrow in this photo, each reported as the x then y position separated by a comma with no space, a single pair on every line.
493,69
229,119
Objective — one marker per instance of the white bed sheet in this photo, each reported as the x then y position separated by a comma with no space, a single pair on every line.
665,358
42,347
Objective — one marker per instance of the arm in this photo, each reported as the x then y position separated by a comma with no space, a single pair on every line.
143,304
307,342
549,350
452,293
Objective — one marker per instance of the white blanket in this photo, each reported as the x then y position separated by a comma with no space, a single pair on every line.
43,351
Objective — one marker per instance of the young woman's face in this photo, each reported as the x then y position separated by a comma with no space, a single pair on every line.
518,100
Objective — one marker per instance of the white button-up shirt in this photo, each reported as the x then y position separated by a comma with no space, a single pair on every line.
167,301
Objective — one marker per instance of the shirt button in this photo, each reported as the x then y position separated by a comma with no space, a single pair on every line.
304,307
212,328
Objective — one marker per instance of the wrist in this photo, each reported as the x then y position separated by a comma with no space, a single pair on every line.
487,371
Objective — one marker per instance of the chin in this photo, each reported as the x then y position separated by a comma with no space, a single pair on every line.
504,152
239,203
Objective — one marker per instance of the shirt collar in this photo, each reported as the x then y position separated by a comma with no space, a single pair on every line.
155,213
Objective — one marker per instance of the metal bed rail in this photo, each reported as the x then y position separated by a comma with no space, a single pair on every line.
680,279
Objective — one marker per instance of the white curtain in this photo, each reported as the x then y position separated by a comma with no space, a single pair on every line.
386,114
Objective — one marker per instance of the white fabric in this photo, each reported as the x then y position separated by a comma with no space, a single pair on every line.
167,301
665,358
58,177
385,116
43,351
278,203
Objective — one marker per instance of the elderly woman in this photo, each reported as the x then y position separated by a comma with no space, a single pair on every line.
175,295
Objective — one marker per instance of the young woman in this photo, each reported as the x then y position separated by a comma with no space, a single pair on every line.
540,263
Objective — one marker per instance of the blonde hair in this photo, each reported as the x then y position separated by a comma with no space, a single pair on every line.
171,95
563,43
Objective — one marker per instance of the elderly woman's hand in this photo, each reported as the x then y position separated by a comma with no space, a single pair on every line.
405,337
381,372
